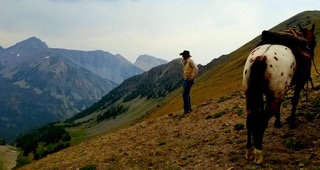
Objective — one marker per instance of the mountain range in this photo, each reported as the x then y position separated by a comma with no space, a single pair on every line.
40,84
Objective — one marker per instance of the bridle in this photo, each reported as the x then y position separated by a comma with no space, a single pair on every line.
311,43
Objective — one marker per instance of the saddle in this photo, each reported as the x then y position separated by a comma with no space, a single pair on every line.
294,40
290,38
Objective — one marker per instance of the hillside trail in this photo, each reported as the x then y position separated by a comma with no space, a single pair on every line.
213,136
8,157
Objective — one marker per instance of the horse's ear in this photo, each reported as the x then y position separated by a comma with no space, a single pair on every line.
313,27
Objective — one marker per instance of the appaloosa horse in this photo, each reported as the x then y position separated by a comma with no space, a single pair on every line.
270,71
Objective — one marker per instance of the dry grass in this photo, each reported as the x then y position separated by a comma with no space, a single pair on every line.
8,157
198,140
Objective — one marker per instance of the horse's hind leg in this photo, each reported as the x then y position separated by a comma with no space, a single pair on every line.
273,108
249,147
258,139
255,129
262,119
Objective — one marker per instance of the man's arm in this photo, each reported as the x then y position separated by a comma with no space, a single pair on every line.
195,68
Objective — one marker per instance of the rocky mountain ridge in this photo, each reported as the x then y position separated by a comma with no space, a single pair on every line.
146,62
41,84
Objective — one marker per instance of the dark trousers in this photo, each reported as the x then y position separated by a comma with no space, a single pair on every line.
187,84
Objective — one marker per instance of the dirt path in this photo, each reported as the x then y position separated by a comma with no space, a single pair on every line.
8,157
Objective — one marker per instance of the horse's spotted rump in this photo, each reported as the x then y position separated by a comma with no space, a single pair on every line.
266,82
256,49
292,66
252,53
261,58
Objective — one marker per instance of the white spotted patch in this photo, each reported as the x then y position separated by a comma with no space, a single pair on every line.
281,65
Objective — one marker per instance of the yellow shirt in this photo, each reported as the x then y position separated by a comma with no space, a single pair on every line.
190,69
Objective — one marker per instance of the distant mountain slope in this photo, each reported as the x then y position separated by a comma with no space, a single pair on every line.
155,83
146,62
40,84
104,64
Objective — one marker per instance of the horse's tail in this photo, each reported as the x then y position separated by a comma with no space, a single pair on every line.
256,85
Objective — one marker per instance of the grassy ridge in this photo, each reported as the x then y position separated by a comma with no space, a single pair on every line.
226,77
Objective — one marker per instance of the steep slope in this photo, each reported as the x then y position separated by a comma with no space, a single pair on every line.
146,62
211,137
224,74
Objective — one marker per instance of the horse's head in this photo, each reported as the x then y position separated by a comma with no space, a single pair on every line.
309,36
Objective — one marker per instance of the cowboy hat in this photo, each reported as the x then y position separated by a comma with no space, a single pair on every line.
185,53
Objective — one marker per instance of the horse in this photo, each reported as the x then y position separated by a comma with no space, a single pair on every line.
269,72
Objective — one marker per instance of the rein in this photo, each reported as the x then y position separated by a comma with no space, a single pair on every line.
314,65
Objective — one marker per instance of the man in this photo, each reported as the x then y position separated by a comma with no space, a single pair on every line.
190,70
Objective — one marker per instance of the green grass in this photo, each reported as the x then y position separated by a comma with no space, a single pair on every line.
89,167
239,126
77,135
215,115
2,166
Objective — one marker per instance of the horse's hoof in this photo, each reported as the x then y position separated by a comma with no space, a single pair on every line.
249,154
258,156
277,124
292,125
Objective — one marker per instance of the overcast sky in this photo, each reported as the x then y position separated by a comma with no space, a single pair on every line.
161,28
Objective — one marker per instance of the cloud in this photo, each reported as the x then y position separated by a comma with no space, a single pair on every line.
134,27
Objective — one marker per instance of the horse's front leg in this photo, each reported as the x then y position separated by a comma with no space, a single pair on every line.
277,122
312,86
275,108
294,101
